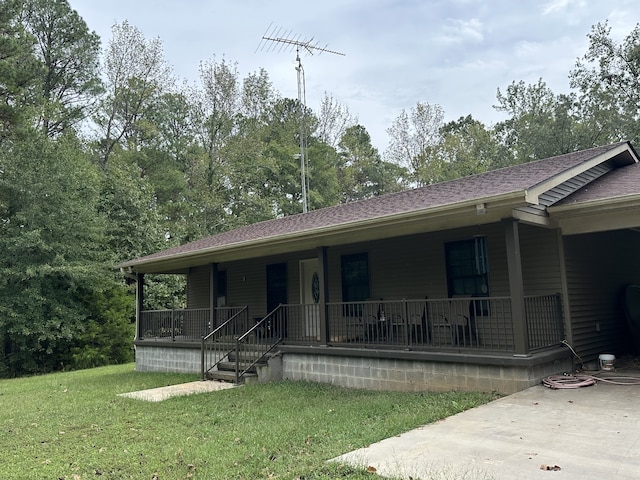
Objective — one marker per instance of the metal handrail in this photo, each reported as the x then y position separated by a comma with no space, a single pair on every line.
218,333
272,322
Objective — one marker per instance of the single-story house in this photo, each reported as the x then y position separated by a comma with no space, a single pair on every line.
489,282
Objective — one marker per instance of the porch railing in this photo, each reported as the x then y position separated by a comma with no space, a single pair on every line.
260,339
186,324
479,323
545,322
217,345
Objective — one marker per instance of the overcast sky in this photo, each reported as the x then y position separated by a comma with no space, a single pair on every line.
454,53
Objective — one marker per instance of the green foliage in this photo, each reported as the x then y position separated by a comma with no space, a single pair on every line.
52,263
467,148
412,135
608,80
20,70
70,56
362,172
106,336
540,124
127,202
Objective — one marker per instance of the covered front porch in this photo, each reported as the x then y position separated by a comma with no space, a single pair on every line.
480,323
467,330
240,315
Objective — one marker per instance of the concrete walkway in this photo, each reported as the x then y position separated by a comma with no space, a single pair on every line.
162,393
591,432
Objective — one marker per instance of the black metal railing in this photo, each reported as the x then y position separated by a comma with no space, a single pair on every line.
480,323
545,322
182,324
217,345
260,339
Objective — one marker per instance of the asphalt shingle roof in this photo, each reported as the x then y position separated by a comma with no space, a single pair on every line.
621,182
512,179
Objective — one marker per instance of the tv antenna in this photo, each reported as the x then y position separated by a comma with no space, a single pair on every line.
279,39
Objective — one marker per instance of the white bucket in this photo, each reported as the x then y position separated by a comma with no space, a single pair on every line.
607,361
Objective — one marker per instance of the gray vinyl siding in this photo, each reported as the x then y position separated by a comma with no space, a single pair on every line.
246,282
413,267
198,287
540,260
409,267
599,266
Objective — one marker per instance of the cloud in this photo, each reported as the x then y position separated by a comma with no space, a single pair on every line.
556,6
460,31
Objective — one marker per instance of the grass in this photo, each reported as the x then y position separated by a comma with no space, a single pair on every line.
74,426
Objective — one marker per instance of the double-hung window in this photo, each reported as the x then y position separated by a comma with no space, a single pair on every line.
468,271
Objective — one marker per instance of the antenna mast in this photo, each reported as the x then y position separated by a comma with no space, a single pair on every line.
277,39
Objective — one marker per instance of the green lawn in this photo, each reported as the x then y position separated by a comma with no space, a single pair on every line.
74,426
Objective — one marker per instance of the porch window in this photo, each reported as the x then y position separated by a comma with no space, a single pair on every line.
467,268
355,280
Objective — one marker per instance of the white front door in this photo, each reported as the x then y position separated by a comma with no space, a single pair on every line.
310,296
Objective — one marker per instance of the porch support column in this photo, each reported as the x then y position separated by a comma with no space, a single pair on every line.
323,275
516,287
139,304
213,295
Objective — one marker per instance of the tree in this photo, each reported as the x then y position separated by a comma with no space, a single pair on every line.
257,97
20,70
136,74
608,79
53,264
467,148
70,55
333,121
362,173
540,124
412,135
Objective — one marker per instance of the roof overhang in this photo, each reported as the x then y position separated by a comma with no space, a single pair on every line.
468,213
621,155
598,215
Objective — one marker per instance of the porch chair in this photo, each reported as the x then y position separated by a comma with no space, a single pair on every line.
420,325
462,322
376,325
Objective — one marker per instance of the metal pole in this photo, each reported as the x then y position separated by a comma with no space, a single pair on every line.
301,101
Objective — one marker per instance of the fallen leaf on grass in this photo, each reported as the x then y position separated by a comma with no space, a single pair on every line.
371,469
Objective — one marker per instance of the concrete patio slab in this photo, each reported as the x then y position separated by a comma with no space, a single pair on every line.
539,433
162,393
